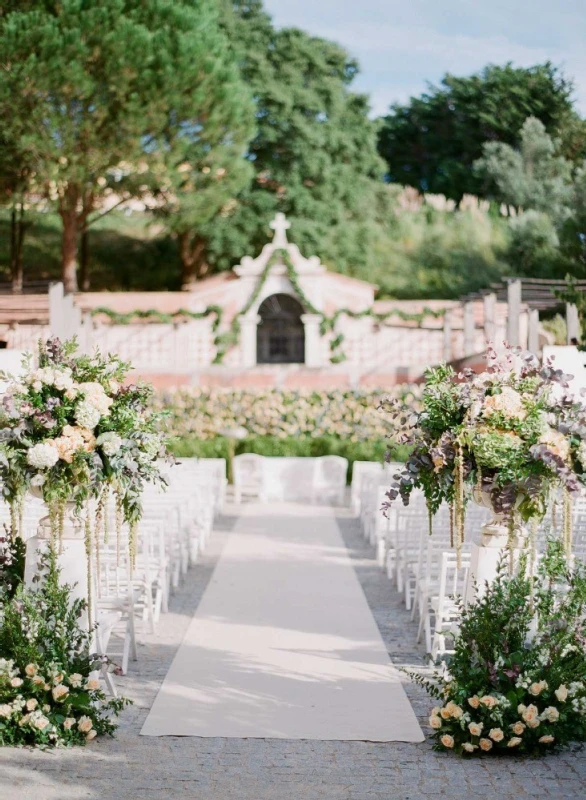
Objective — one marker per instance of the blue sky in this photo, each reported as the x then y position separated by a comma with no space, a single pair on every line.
402,44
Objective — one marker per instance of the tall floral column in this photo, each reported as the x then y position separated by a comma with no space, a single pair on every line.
510,438
72,433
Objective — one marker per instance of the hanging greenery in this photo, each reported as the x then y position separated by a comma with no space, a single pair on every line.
225,340
151,314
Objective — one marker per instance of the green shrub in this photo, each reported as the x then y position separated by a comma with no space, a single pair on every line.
303,446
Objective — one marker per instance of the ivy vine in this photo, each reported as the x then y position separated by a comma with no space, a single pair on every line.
224,341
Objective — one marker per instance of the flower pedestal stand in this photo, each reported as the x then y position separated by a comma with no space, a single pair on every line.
71,556
496,541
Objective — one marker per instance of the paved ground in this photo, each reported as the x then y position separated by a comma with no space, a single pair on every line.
142,768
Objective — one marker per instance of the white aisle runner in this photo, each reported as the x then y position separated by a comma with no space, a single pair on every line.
283,643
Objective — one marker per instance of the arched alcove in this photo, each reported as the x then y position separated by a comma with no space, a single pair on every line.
280,335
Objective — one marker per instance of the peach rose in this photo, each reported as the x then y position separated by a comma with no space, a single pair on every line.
536,688
447,740
435,723
514,742
91,735
474,701
547,739
31,704
31,670
475,728
485,744
60,692
489,701
496,734
469,747
518,728
85,724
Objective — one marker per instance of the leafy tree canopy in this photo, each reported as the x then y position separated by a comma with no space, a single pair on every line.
314,154
90,91
433,141
531,176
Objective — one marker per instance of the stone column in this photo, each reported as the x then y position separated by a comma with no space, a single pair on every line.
533,332
572,322
248,327
514,312
447,343
311,323
490,317
469,328
72,558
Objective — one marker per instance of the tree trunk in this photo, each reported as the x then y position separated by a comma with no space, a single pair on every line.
17,231
69,251
84,267
13,226
192,252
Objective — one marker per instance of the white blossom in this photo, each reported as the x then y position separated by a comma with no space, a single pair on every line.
87,415
43,455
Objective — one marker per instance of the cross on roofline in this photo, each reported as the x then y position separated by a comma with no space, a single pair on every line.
280,225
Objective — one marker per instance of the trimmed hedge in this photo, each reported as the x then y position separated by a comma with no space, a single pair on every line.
291,446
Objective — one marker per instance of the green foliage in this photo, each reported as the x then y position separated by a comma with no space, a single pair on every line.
189,447
134,82
433,141
71,429
533,176
512,688
505,432
47,694
314,154
534,246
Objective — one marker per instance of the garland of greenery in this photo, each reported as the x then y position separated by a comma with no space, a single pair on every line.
223,342
118,318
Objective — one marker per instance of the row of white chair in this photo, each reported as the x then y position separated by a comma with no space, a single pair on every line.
132,585
424,568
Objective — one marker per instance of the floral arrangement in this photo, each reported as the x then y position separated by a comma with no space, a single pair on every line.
510,432
349,415
50,694
71,429
517,679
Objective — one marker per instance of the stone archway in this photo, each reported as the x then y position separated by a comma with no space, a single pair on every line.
280,335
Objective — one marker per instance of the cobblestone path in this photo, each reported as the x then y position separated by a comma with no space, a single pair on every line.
130,767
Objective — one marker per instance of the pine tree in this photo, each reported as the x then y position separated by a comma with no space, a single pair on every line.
88,90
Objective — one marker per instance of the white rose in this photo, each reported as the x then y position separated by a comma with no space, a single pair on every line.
561,693
16,683
91,735
75,679
63,380
38,480
110,443
43,455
